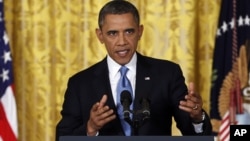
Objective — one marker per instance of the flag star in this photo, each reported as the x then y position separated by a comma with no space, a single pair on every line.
5,38
240,21
247,20
218,33
232,23
1,17
7,57
4,75
224,27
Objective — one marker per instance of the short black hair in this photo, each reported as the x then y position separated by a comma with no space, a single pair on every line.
118,7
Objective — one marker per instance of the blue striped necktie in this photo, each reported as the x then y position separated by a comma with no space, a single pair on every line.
123,84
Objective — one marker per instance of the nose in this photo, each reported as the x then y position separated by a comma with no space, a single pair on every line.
122,39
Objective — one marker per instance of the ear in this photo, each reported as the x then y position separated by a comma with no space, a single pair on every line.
99,34
140,31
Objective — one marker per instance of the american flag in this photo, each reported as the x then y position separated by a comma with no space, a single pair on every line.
8,112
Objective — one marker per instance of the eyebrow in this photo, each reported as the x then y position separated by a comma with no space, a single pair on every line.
129,29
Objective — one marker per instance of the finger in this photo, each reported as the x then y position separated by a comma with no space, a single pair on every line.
95,106
106,114
102,110
103,101
184,108
191,88
193,98
189,107
194,101
106,117
188,104
192,93
100,123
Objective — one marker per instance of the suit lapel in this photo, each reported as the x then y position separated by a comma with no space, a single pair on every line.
143,81
101,84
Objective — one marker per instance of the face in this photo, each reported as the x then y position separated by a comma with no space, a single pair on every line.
120,35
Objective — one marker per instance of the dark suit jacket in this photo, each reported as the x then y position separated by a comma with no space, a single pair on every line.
160,81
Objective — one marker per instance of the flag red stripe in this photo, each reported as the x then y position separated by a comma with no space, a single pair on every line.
224,131
6,133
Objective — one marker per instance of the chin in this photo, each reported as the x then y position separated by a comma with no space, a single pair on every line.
123,61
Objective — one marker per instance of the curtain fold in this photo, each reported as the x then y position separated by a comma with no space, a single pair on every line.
52,40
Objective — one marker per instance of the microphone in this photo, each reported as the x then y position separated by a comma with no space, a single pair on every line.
126,101
145,108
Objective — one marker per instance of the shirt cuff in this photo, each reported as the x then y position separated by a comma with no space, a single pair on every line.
198,127
97,133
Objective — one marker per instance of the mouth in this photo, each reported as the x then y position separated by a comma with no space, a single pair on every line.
122,53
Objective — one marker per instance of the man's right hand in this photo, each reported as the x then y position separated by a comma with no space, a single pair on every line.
100,114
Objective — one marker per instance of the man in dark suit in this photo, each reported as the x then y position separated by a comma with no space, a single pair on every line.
90,105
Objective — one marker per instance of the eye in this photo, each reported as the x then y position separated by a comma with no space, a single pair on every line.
112,33
130,31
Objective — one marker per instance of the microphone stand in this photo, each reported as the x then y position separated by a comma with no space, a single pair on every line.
140,116
135,123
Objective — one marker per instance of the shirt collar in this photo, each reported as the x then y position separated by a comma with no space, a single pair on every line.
114,67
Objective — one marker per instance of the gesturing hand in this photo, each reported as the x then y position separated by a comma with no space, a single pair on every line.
99,116
192,104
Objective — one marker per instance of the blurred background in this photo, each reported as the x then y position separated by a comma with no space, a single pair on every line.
50,40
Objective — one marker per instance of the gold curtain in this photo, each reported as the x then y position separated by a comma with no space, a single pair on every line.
53,39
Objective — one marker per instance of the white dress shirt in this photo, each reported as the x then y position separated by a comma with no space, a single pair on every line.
114,74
